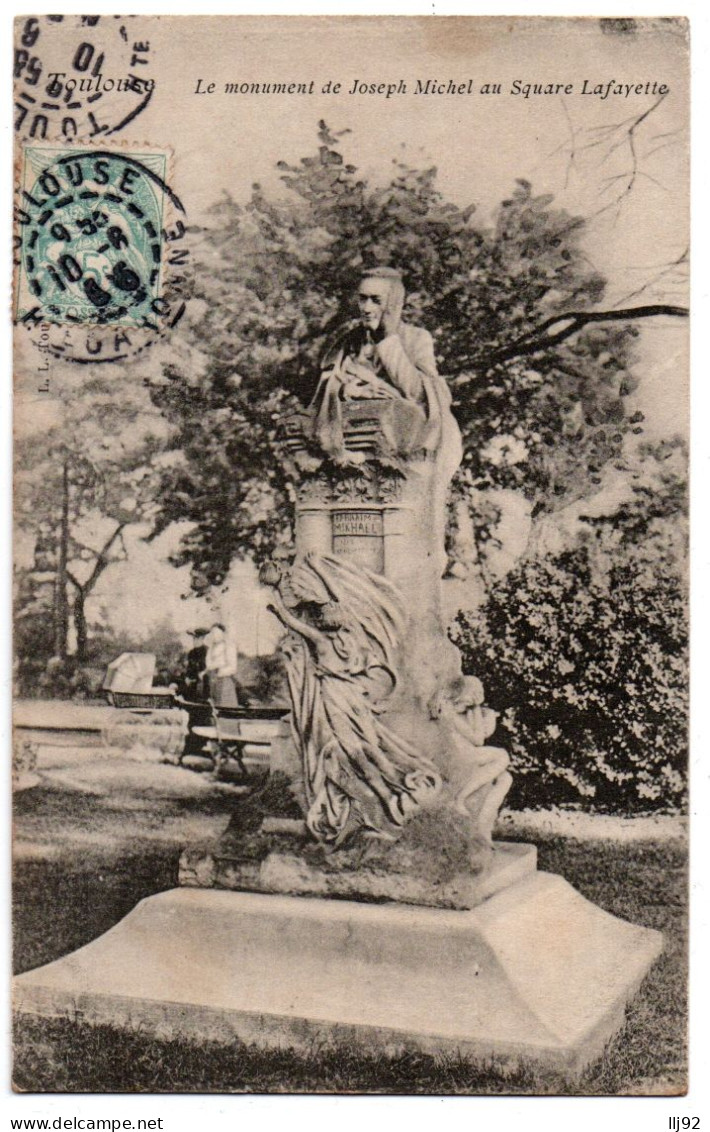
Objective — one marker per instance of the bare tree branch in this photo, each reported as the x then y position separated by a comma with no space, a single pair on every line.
545,335
667,269
614,138
102,561
572,157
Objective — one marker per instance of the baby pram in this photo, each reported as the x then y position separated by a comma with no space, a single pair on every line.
129,683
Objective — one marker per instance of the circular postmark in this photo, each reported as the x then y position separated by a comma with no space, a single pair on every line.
102,270
79,77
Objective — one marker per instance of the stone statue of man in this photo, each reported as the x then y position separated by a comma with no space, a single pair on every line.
380,357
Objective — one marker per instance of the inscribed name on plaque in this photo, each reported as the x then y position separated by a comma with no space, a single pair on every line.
359,536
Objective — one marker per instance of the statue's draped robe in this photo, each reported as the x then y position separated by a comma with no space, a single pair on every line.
358,775
405,363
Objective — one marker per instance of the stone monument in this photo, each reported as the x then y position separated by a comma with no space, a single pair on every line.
441,939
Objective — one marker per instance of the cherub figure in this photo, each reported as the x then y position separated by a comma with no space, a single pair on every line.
479,779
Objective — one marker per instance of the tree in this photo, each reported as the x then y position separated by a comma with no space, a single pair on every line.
650,527
585,653
33,613
79,486
589,675
161,639
539,373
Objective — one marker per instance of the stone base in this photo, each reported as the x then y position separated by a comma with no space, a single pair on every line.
535,973
290,874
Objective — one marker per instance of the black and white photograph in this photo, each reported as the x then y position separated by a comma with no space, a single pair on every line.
350,574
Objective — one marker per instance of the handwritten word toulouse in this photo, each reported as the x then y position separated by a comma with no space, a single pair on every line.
610,88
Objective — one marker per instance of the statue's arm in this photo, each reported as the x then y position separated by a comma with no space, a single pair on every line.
288,620
408,368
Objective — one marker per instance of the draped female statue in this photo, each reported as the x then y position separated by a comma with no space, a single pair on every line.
344,626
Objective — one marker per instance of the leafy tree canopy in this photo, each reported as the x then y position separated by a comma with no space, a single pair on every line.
79,483
276,276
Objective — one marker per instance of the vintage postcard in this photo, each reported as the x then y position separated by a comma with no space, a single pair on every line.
350,577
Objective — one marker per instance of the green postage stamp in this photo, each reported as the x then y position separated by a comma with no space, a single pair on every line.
95,234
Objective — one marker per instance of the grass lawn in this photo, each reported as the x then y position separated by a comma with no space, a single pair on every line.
86,854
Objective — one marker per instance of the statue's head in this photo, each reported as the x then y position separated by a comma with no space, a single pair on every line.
467,692
298,583
270,573
330,616
381,290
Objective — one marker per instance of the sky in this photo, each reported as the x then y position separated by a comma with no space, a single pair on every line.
479,143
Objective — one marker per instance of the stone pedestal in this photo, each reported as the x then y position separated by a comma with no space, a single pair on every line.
381,509
535,973
390,517
294,872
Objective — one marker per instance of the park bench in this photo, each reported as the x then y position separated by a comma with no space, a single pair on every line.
232,730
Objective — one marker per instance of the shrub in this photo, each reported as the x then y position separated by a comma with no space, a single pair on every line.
588,674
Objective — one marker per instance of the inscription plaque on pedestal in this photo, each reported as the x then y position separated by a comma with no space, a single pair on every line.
358,535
